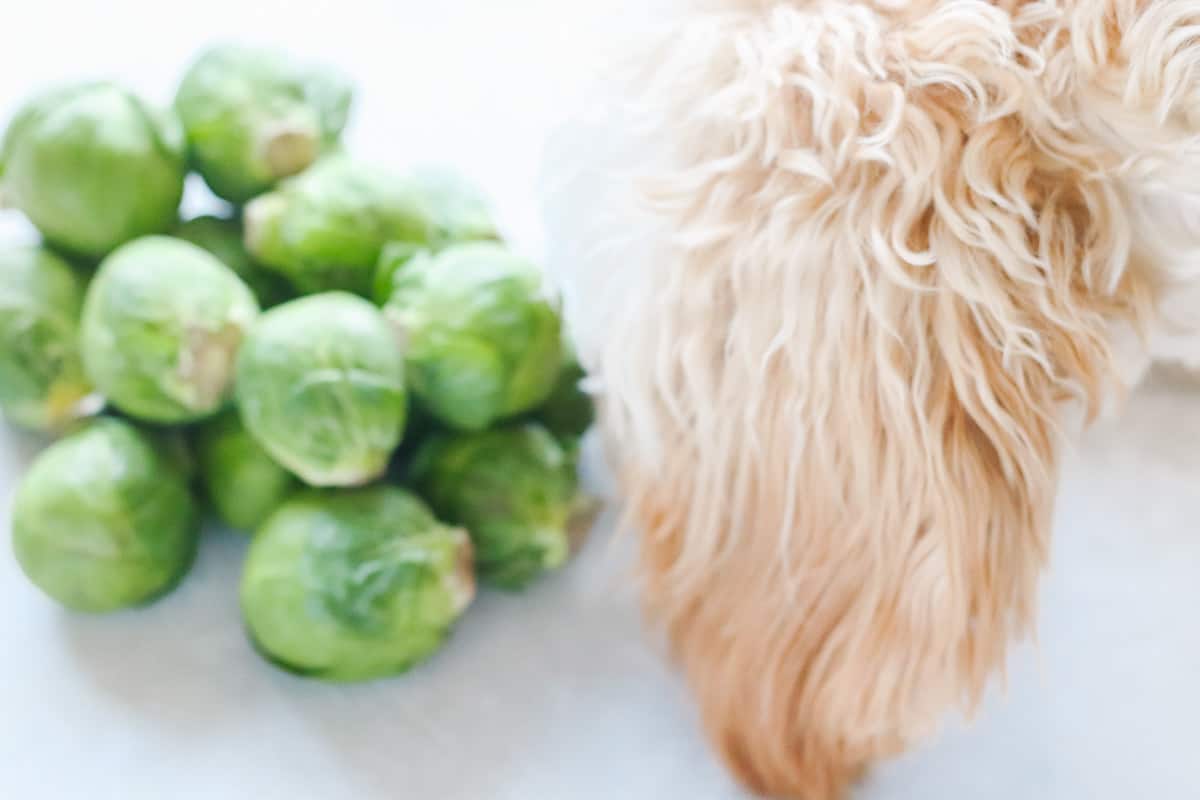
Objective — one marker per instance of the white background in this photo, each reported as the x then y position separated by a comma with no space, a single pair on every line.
555,695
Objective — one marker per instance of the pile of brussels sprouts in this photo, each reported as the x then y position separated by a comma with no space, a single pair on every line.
351,366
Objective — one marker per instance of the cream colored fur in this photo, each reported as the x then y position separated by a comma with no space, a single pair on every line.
843,272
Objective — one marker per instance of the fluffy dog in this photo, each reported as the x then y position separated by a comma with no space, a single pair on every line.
846,274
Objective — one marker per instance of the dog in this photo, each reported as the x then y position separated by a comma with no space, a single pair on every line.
847,275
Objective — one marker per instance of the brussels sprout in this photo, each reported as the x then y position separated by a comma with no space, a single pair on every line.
93,167
320,385
102,522
162,322
514,489
354,586
243,482
42,384
460,211
253,116
482,344
223,238
324,229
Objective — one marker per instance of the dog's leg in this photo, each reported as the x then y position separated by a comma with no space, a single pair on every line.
870,562
838,404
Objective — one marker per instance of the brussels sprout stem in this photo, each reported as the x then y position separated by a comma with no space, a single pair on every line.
289,149
584,511
65,406
88,406
463,580
206,364
261,218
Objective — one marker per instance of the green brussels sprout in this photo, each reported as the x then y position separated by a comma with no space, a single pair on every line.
42,383
354,586
254,115
223,238
242,481
514,489
482,344
101,521
162,323
324,229
92,167
459,208
320,385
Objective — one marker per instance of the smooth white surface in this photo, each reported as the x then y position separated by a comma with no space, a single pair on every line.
556,695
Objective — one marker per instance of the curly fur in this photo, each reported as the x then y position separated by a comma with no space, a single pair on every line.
844,271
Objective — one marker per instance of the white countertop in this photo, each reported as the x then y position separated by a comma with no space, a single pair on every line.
557,694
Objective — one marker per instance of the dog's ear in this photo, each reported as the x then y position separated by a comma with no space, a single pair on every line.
876,265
